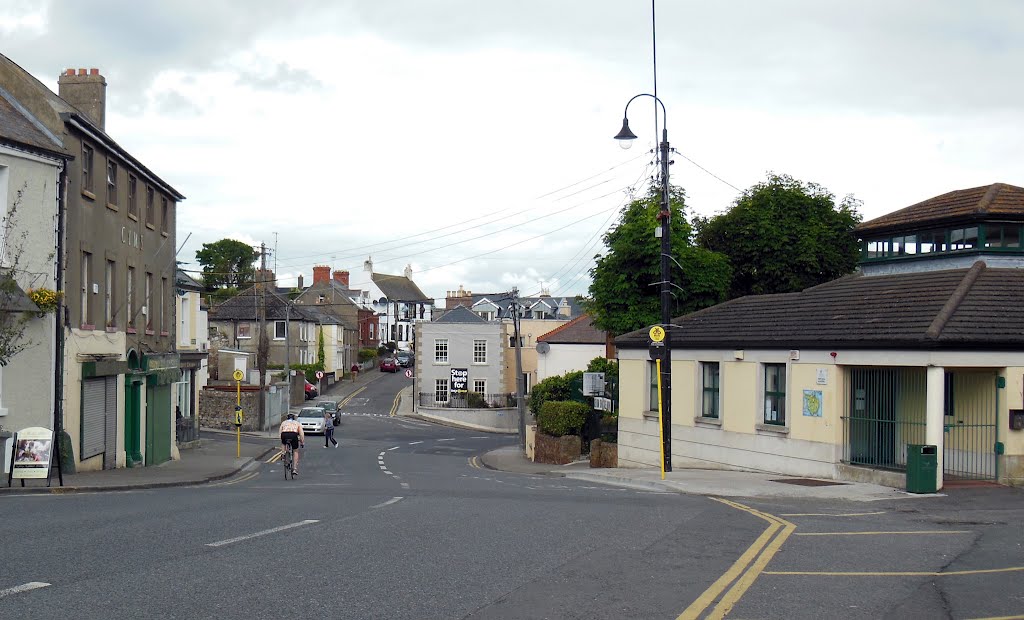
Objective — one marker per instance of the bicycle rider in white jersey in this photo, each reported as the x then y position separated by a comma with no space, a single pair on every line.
291,433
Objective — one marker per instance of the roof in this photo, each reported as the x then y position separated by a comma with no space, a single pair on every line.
399,288
244,307
995,200
975,308
13,298
460,314
580,330
19,126
549,305
184,281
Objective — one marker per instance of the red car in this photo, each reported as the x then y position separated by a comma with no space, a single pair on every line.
311,391
388,365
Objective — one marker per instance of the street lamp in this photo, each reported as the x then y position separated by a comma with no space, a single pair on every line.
626,137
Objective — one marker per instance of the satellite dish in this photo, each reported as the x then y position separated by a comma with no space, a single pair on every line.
543,347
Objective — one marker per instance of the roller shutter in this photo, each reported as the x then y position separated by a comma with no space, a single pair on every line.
94,413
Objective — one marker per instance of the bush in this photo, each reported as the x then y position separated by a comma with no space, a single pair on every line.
476,400
558,387
562,417
368,354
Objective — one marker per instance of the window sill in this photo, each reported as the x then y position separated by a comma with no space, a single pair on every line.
243,337
650,415
774,429
132,216
704,421
88,194
150,332
164,334
87,327
164,233
436,363
131,330
150,226
112,206
111,329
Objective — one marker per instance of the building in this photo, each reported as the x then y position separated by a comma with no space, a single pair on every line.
570,347
120,360
352,310
400,305
193,351
922,347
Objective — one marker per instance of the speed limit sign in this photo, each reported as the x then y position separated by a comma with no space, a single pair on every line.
319,374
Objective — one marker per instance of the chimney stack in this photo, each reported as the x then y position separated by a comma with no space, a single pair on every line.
87,91
300,287
321,273
341,277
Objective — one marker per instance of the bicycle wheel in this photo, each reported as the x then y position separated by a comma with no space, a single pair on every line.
287,460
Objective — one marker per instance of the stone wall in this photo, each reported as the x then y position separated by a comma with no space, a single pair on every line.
217,410
604,454
557,450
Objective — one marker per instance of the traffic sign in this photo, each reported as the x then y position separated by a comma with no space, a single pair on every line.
408,374
319,374
238,374
657,333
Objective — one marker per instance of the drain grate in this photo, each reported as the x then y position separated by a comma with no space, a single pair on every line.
809,482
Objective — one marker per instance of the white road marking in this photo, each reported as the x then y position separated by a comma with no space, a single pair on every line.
25,587
273,530
384,467
395,448
388,473
388,503
381,455
450,439
405,485
479,437
413,443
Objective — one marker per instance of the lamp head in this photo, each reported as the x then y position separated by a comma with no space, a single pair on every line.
625,136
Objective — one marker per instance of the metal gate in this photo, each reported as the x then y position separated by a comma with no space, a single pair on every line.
971,415
885,412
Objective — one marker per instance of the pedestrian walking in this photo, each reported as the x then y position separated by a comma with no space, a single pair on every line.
329,430
355,372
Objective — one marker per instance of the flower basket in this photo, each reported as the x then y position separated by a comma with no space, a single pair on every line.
45,299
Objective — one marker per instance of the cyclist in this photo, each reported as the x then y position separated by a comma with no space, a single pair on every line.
291,433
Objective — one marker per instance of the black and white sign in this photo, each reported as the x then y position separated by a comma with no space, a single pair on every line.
460,380
593,384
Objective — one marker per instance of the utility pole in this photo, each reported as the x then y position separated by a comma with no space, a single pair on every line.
262,348
520,384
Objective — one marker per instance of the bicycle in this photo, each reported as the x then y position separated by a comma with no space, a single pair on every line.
287,456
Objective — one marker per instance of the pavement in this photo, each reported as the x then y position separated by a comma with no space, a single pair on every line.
217,457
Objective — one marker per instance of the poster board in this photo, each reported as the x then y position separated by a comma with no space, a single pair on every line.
33,451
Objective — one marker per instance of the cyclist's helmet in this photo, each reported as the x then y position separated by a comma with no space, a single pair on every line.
291,416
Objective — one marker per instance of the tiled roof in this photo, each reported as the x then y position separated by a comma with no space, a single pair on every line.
976,308
399,288
244,307
460,314
503,300
17,125
580,330
998,199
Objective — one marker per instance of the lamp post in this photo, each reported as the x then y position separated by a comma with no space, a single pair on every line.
626,137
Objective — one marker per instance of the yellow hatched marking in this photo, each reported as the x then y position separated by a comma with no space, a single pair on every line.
955,573
922,532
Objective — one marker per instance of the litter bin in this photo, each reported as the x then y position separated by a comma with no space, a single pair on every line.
922,463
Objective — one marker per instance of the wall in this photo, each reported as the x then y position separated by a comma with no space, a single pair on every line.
563,358
493,420
77,344
217,409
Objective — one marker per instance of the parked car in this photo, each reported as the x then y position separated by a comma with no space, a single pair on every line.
311,391
388,365
311,419
405,358
330,406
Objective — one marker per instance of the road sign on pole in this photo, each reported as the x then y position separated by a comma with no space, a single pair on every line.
408,373
319,374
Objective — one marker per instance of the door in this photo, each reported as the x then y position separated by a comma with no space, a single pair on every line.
158,424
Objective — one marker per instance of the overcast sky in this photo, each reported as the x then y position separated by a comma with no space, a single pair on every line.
471,139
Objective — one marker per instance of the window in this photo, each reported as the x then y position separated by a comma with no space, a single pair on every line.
371,331
948,394
479,351
147,307
963,238
932,241
130,297
184,322
280,330
709,386
164,295
512,342
150,216
109,307
244,331
86,282
652,392
441,350
133,198
440,390
86,168
480,386
111,182
164,214
775,394
1002,236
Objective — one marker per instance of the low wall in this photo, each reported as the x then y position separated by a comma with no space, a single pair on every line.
217,410
492,420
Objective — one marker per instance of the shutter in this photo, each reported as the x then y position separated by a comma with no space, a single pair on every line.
110,430
93,417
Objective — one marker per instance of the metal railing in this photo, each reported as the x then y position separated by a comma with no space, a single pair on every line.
969,437
186,429
466,400
885,412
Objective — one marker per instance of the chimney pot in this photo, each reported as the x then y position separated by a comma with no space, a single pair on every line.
69,72
81,71
94,71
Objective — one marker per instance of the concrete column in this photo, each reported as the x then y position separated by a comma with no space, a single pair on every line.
935,416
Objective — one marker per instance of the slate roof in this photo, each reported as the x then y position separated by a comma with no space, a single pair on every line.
244,307
975,308
580,330
19,126
963,205
504,300
399,288
186,281
459,314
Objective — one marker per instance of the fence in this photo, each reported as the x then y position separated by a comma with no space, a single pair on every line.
466,400
885,412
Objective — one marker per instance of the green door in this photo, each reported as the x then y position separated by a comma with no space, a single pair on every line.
132,421
158,424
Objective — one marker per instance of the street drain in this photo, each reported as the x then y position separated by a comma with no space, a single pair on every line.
808,482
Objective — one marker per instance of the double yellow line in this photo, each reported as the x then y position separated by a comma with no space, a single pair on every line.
733,584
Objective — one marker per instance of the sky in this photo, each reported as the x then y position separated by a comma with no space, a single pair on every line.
471,140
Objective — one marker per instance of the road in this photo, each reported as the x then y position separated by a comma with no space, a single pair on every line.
401,522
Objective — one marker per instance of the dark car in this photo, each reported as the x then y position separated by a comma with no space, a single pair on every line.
311,391
331,407
388,365
405,359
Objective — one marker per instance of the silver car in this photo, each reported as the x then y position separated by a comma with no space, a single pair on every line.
311,419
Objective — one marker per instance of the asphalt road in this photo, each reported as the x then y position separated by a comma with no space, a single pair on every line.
401,522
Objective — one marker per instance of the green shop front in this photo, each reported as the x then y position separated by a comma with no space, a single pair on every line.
156,373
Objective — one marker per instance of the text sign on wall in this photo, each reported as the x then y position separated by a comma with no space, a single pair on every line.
33,448
460,380
593,383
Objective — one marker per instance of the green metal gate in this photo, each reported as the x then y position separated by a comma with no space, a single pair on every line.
970,418
885,412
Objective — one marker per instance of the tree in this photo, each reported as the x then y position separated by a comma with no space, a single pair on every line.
227,264
625,291
320,356
17,308
783,235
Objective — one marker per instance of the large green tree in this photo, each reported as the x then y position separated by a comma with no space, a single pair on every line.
783,235
227,263
625,292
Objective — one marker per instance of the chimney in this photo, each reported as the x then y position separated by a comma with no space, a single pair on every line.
266,276
341,277
408,272
87,91
300,287
321,273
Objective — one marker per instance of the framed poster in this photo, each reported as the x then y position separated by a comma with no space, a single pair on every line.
33,449
460,380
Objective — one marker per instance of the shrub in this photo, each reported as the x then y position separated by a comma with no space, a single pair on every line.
562,417
477,401
367,354
558,387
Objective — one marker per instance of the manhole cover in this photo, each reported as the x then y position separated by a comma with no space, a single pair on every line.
808,482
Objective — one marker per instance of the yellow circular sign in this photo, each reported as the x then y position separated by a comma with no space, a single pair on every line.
657,333
238,375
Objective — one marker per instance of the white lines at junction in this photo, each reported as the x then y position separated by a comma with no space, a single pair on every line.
393,500
273,530
25,587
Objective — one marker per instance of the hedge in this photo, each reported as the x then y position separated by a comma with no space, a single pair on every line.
562,417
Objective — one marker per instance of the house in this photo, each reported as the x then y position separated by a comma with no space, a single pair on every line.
193,352
120,360
351,309
400,305
571,346
32,171
861,377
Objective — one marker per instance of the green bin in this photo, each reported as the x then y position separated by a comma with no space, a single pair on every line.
922,462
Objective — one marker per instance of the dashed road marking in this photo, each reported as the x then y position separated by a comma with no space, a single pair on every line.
953,573
912,533
413,443
273,530
394,448
449,439
25,587
393,500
